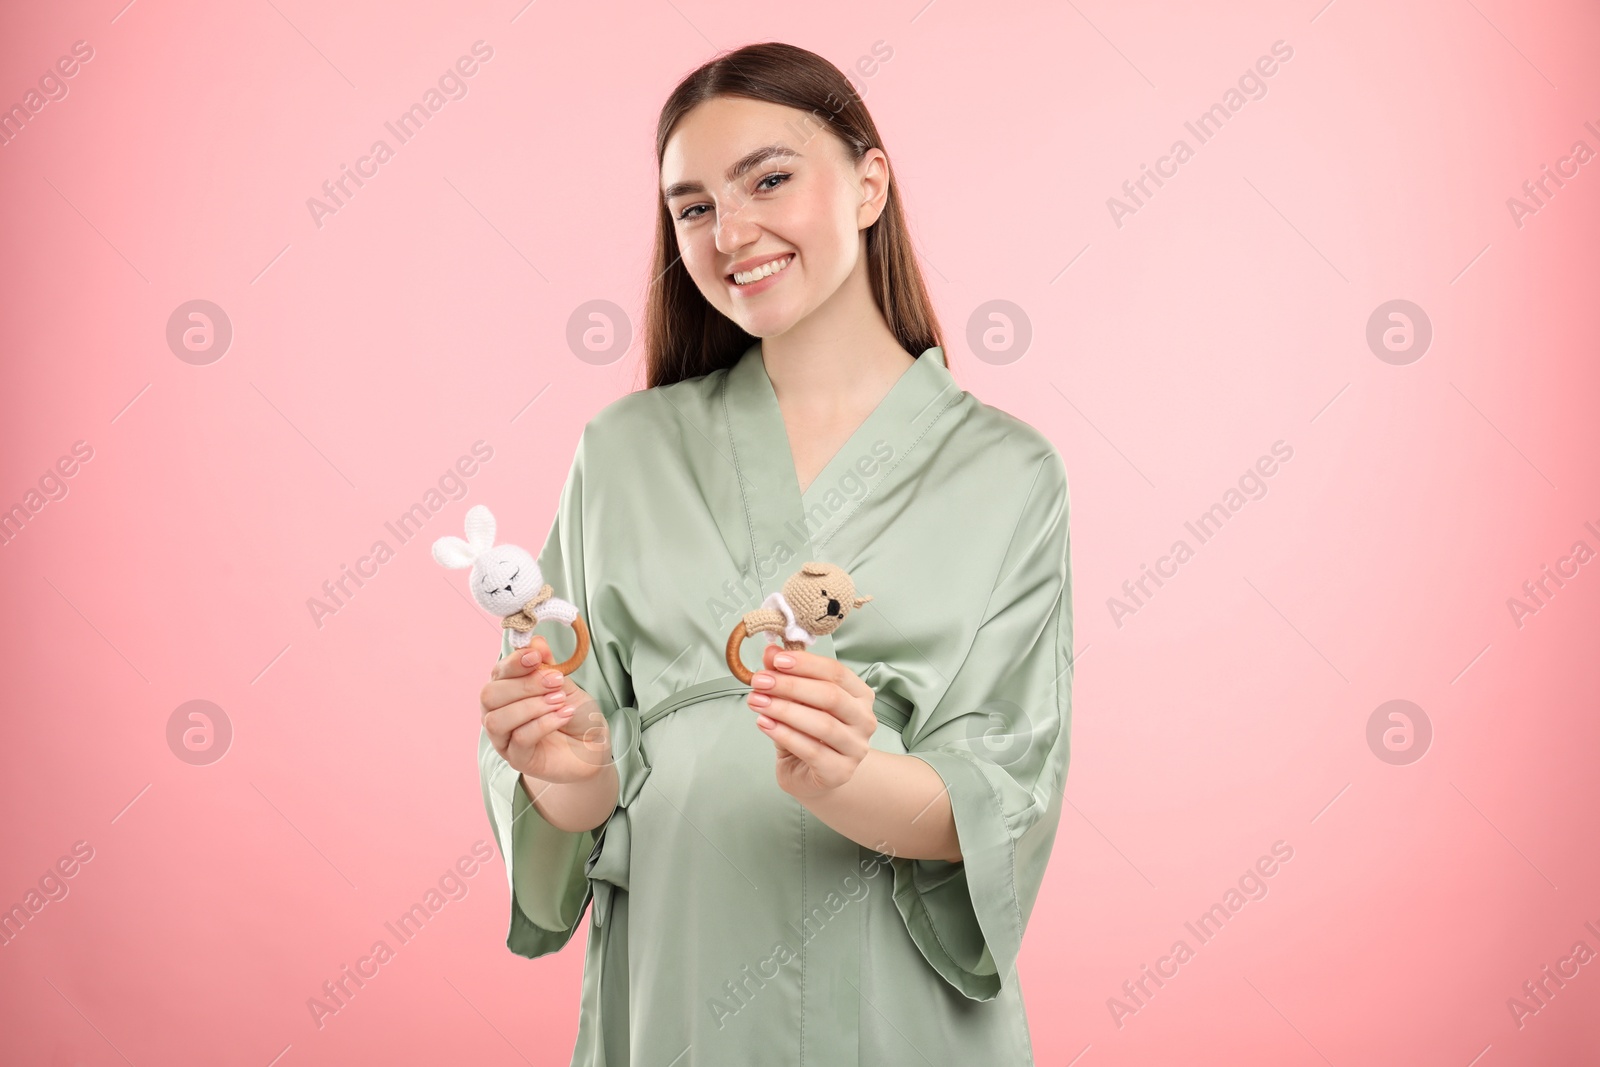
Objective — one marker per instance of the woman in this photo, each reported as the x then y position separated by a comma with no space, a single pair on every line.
835,866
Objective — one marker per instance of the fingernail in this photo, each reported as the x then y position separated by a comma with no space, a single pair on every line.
529,659
783,660
564,713
551,677
759,700
763,681
765,723
558,697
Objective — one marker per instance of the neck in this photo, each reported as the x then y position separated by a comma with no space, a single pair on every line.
840,356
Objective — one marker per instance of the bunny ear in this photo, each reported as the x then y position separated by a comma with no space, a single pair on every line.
454,552
480,527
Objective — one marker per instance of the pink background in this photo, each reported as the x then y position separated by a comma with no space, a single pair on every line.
1227,313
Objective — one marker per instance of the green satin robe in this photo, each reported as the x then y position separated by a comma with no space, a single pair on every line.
729,925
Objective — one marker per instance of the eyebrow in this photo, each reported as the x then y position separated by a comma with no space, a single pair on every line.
748,162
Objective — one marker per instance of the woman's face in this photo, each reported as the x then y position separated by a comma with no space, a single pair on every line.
752,185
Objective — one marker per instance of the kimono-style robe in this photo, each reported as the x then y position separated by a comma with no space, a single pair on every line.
729,925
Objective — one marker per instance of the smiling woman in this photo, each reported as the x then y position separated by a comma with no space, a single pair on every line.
799,408
808,187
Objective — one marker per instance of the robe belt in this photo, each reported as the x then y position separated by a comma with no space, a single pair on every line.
608,862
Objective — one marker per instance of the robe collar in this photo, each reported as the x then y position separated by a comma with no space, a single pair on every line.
907,408
776,509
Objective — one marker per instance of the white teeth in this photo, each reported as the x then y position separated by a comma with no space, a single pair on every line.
748,276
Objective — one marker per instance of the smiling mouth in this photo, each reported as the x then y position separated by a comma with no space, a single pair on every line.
750,277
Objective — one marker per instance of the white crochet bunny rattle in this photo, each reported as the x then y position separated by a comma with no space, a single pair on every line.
506,580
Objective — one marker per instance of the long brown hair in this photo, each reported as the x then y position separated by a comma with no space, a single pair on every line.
684,335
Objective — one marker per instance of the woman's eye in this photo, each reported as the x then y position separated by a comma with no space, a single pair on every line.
693,211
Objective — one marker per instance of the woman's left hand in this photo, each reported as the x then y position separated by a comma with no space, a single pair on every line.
819,715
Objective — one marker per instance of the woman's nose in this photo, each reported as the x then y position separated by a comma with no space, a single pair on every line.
736,229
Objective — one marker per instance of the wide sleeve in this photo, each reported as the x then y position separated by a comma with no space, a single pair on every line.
999,739
546,866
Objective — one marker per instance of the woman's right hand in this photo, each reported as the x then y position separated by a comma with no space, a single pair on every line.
549,730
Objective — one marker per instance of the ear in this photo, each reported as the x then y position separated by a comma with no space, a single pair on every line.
454,552
860,600
480,527
819,569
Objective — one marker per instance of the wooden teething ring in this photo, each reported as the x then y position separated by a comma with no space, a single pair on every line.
736,662
573,662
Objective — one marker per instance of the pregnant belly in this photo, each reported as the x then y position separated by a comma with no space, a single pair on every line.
712,786
716,852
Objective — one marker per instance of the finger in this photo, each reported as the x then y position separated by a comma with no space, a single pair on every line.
499,722
826,695
529,734
554,679
524,661
498,692
822,695
568,686
584,725
818,726
822,759
506,719
823,668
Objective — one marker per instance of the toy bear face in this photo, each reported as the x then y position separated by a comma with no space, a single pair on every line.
821,595
504,578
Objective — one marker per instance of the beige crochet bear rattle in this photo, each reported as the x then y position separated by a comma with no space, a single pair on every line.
813,602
